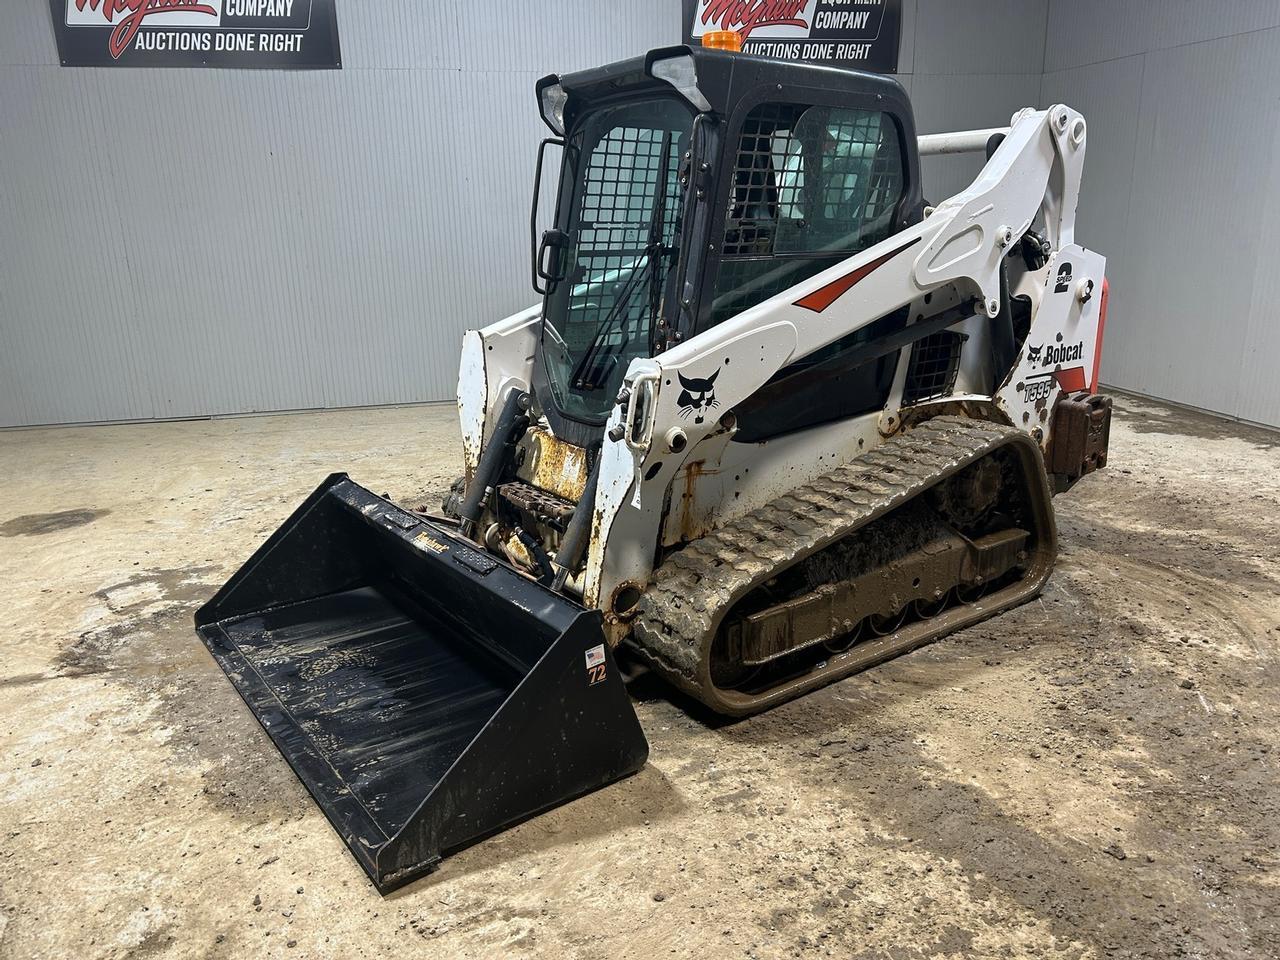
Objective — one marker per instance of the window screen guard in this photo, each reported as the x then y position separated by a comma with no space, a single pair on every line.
810,185
621,217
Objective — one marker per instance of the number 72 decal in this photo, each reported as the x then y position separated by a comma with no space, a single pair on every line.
596,664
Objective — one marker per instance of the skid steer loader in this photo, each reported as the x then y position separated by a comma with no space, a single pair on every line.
774,420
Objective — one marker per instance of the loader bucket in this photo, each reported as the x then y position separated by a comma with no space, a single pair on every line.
427,695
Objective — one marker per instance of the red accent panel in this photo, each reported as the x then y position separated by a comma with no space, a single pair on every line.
823,297
1102,323
1071,380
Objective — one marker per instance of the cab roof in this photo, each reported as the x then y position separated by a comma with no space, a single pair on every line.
722,78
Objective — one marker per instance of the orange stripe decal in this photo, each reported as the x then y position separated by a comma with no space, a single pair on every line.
1102,325
1071,380
824,297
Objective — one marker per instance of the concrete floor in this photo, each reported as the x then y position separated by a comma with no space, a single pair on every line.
1090,775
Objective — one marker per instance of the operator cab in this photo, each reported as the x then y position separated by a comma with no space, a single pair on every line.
697,183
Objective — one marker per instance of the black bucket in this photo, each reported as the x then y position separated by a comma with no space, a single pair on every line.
427,695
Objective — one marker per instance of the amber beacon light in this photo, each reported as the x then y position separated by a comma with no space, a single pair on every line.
722,40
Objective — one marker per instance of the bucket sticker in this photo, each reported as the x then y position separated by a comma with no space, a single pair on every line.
424,541
595,664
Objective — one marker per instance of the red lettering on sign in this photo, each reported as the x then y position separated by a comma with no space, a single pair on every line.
135,12
745,15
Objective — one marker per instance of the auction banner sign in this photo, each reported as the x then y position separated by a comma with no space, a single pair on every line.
851,33
197,33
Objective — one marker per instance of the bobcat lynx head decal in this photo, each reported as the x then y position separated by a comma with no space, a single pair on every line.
698,396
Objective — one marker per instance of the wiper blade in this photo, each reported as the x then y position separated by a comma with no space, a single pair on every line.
615,313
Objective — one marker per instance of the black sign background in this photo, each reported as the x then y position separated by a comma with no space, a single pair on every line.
836,32
303,35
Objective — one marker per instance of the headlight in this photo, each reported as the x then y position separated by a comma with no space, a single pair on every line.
553,101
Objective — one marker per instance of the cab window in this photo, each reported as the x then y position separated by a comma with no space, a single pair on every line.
811,185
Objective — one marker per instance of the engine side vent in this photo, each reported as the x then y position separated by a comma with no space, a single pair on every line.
935,360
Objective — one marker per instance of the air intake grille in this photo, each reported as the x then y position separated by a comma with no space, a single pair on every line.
935,360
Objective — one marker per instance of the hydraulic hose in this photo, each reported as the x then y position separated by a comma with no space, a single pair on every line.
577,534
510,417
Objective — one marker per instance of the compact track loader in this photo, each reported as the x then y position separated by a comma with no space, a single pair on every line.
774,420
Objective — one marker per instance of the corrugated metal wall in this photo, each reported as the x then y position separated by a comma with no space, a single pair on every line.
1182,190
194,242
974,64
189,242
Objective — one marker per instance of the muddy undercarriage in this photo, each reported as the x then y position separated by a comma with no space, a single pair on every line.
940,528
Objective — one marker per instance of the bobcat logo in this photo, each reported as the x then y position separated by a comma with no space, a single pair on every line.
1055,353
698,396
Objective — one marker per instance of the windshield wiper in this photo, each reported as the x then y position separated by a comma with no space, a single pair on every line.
616,312
650,256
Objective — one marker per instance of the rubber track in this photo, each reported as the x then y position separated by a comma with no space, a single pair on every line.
680,612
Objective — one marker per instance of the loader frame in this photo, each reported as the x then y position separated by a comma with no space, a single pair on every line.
948,260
